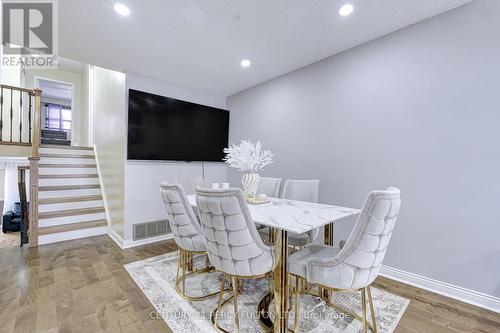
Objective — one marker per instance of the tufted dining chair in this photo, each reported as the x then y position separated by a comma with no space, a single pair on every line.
357,264
269,186
187,235
300,190
233,243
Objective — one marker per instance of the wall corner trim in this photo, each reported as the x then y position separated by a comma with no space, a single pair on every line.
458,293
115,237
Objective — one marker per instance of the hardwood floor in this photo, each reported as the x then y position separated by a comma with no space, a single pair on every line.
10,239
81,286
430,312
75,286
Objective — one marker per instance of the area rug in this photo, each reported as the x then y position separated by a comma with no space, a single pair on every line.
156,278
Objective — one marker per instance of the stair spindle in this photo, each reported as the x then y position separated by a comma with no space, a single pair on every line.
11,114
20,116
30,96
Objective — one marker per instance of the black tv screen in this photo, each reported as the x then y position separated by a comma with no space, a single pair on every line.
163,128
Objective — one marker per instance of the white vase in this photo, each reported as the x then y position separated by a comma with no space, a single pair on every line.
250,182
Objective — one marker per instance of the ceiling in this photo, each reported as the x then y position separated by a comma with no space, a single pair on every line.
200,43
70,65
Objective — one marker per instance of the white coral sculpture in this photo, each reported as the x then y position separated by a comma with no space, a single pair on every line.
248,157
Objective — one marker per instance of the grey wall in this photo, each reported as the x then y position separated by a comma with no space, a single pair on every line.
418,109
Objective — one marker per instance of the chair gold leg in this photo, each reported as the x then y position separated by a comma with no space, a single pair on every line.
178,268
190,262
182,275
270,284
361,318
372,309
235,303
363,307
184,264
221,296
297,304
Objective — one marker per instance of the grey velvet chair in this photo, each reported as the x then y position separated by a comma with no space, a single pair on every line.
357,264
233,243
187,235
300,190
269,186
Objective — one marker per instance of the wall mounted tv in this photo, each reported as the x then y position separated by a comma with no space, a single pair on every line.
163,128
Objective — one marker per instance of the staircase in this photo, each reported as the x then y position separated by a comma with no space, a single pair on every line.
65,195
70,203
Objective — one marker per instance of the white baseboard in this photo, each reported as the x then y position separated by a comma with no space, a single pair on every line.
461,294
115,237
130,243
126,244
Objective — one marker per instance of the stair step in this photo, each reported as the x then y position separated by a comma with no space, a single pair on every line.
67,171
65,176
56,207
73,234
71,227
68,187
86,156
49,201
66,147
68,181
61,165
62,220
70,212
67,193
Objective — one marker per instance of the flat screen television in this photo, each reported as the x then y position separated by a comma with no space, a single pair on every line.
163,128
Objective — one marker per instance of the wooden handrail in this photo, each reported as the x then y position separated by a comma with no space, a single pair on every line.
6,86
20,116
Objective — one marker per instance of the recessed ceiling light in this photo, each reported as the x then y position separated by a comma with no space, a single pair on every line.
122,9
346,10
245,63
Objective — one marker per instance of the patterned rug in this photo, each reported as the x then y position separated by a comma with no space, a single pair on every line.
156,278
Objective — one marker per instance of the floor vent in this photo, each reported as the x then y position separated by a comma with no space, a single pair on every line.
150,229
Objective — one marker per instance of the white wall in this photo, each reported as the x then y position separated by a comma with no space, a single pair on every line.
109,138
12,76
2,184
417,109
143,202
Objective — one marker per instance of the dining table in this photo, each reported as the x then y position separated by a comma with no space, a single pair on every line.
285,216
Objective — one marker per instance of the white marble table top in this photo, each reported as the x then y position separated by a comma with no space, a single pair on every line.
294,216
